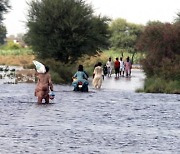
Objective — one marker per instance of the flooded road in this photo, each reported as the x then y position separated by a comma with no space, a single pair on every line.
112,120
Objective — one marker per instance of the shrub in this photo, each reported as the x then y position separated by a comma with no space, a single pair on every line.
61,73
161,43
159,85
11,46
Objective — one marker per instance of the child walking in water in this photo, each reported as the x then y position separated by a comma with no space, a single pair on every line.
44,83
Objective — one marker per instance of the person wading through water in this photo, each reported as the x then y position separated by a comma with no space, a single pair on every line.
44,83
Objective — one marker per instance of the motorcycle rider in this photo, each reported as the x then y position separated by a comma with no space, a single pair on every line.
80,75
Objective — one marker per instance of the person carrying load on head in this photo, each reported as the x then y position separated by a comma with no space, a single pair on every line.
44,83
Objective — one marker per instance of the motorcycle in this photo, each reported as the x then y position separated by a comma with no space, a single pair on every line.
81,86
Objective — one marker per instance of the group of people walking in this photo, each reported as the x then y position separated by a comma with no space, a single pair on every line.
44,80
121,68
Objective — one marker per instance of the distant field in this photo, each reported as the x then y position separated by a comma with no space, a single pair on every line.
19,57
16,52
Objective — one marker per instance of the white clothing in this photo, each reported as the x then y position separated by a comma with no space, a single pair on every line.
122,67
98,77
109,65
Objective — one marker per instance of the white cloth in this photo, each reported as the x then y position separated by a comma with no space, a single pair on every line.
110,66
121,65
39,67
98,77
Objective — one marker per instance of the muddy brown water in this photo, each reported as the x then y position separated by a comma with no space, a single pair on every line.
112,120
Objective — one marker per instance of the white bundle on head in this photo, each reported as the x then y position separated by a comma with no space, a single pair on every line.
39,67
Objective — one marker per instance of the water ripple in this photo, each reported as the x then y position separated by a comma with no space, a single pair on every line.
103,122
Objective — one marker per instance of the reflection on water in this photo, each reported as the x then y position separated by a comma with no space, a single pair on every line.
122,83
112,120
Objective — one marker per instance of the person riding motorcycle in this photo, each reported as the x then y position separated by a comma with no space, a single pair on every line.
80,77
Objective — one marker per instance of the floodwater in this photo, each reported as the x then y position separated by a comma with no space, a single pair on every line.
113,120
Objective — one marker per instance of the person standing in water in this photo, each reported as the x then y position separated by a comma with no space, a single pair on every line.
109,65
121,71
44,83
116,67
128,67
98,76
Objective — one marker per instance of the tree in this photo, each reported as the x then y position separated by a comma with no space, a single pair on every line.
177,19
124,35
4,6
2,34
161,44
65,30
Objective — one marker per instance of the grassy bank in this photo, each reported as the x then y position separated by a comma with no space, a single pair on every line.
19,57
159,85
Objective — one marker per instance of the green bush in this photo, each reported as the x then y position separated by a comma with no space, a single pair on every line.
60,72
161,43
173,87
56,77
10,45
159,85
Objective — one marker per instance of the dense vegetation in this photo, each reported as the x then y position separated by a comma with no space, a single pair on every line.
160,41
